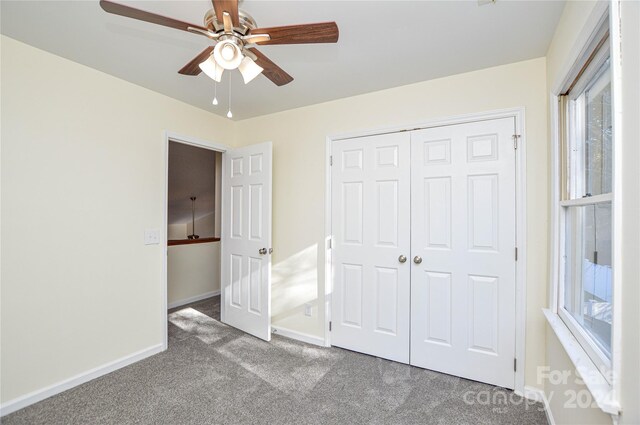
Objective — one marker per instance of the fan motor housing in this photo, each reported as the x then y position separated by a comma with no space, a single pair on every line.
247,22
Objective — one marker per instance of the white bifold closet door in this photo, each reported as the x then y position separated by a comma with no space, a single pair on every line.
444,198
370,216
463,230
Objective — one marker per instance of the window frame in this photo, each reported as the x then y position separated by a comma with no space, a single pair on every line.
603,362
571,166
604,15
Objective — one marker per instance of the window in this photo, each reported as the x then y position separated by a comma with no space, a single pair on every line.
586,295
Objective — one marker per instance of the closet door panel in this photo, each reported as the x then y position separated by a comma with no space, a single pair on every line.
463,233
370,183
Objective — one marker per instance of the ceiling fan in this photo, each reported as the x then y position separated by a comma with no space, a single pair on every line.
234,34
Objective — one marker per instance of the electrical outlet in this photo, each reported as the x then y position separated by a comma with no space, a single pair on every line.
151,236
308,310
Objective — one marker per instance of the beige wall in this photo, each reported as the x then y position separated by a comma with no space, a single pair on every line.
577,18
192,270
562,394
574,17
298,138
177,231
82,177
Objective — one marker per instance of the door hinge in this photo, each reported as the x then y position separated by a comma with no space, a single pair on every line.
329,326
515,364
330,243
516,253
330,160
515,140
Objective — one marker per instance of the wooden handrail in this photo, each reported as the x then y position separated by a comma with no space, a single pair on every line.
172,242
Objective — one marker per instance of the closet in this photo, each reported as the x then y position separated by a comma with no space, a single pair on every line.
423,230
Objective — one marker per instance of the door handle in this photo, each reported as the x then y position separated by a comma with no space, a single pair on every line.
402,259
262,251
417,259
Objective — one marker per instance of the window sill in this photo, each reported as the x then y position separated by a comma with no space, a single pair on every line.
596,383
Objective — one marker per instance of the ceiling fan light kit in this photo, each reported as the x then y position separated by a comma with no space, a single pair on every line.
228,52
234,35
212,69
214,102
229,114
249,69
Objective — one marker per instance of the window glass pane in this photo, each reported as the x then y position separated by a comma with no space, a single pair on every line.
598,125
588,290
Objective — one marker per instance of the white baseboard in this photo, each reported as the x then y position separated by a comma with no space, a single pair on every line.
300,336
193,299
537,394
46,392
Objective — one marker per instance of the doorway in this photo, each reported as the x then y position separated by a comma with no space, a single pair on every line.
193,223
244,244
424,231
190,142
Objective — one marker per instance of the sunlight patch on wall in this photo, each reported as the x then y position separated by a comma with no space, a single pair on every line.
294,284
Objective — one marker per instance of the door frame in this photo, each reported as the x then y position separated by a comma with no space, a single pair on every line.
521,224
169,136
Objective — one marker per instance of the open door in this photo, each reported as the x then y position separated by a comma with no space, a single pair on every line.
246,239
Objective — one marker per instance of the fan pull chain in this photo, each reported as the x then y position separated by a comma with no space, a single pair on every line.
215,93
229,114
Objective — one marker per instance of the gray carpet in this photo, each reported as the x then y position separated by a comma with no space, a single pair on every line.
214,374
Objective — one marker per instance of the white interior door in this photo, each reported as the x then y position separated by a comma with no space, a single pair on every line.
246,239
463,230
370,227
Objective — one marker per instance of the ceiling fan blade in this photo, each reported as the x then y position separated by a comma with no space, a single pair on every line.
141,15
271,70
323,32
192,67
229,6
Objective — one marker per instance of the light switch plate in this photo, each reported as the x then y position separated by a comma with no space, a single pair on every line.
151,236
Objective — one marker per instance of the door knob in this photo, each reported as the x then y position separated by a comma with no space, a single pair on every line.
270,250
402,258
262,251
417,259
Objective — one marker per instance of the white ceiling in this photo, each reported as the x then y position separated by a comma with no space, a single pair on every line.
382,44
